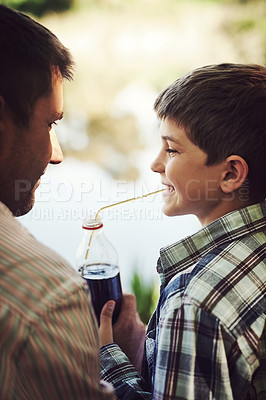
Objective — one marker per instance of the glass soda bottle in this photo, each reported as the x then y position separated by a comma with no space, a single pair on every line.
97,263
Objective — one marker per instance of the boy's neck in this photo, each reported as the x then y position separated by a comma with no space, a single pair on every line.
224,207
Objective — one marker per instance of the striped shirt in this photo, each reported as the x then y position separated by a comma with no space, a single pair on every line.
49,339
207,336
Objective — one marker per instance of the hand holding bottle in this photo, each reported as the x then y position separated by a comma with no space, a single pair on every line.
128,332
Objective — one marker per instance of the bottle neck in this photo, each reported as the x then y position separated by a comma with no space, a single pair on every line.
92,224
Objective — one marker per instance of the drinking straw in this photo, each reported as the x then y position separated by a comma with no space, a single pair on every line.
127,200
116,204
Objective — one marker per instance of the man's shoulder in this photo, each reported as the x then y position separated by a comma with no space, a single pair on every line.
33,277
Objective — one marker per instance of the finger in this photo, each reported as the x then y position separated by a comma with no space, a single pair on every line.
129,303
107,312
106,330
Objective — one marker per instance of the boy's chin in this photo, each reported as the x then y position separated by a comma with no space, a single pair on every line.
175,210
170,212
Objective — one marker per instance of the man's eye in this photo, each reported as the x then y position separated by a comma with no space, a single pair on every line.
51,124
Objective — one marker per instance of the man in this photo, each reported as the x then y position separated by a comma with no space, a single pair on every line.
49,338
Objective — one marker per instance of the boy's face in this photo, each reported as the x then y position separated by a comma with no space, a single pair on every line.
192,187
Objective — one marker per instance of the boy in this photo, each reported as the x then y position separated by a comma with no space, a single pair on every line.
207,337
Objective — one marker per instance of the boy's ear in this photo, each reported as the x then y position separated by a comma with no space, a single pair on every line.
235,174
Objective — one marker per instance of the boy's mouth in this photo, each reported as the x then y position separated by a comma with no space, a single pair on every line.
169,189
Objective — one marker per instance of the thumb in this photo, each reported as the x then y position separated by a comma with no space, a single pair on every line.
106,329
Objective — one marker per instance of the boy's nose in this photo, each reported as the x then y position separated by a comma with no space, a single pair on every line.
157,165
57,155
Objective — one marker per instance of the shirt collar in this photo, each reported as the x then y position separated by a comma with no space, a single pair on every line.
186,252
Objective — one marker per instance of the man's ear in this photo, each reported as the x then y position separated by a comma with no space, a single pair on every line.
235,174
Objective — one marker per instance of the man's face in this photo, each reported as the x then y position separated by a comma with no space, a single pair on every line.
192,187
25,153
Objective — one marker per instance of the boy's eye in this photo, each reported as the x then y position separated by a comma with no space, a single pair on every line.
172,151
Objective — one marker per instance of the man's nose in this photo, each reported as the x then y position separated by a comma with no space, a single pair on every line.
57,155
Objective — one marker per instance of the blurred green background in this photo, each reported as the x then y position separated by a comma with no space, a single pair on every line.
126,51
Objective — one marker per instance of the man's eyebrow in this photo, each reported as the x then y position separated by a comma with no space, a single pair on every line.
171,139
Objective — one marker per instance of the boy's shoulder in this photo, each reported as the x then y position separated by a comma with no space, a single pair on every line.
229,282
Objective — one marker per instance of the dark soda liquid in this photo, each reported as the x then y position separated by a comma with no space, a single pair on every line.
103,290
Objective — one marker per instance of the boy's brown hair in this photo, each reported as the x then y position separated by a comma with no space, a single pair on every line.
223,111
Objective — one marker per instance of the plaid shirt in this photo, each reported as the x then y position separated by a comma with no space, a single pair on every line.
48,335
207,337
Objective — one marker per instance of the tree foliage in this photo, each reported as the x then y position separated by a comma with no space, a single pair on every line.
146,295
40,7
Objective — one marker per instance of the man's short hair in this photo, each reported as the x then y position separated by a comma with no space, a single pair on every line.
223,111
29,52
